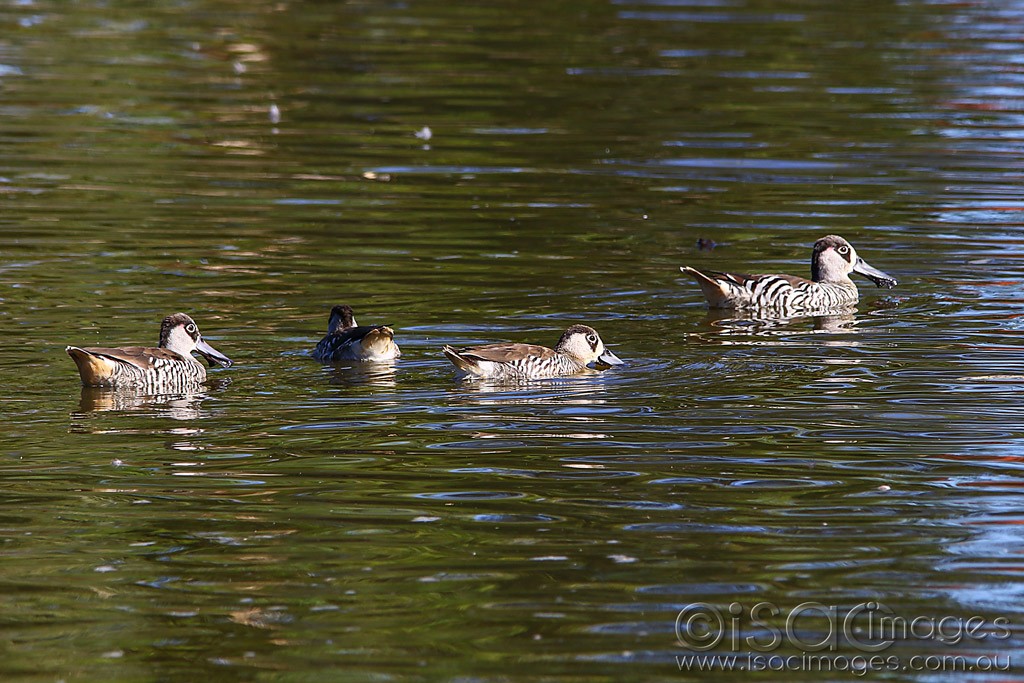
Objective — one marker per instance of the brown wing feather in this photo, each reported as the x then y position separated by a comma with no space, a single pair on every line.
737,278
504,353
139,356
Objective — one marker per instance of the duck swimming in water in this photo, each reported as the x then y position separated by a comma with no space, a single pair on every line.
576,349
167,365
347,341
830,286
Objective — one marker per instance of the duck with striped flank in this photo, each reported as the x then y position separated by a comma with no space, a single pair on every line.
830,286
578,347
169,365
347,341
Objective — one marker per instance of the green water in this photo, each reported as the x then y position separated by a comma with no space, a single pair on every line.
254,164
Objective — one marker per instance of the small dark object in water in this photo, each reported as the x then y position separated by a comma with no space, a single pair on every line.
704,244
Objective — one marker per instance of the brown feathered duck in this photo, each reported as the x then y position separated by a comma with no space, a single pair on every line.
578,347
170,364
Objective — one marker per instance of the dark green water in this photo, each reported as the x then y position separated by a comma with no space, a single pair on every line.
301,523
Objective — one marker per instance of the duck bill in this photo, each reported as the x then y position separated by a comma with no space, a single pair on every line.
211,354
874,274
609,358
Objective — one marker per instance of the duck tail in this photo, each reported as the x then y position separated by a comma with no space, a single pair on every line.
716,287
459,362
93,369
381,341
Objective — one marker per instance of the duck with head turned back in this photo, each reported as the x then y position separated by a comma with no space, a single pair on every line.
830,286
578,347
168,365
346,340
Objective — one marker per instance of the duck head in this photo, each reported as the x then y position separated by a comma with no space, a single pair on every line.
834,259
584,345
342,318
179,333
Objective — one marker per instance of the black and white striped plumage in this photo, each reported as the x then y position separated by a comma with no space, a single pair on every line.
347,341
829,288
167,367
576,349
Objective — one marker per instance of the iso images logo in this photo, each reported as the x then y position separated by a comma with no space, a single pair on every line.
868,627
755,637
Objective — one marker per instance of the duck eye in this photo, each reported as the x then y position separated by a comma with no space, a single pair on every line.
191,329
844,250
592,338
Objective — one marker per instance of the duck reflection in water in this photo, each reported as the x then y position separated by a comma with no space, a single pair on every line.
360,374
183,404
740,322
589,389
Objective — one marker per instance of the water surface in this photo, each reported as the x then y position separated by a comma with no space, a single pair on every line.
255,164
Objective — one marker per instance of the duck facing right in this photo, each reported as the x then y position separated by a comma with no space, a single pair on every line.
830,286
578,347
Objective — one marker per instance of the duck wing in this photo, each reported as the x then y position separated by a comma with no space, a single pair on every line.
507,353
100,366
143,357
